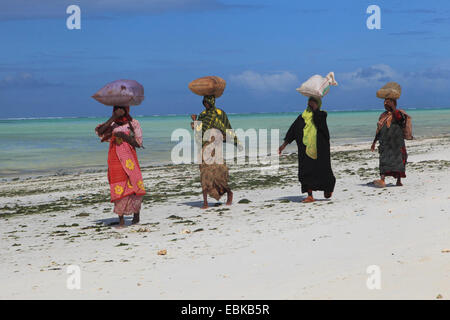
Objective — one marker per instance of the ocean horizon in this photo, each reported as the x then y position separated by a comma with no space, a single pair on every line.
60,145
331,110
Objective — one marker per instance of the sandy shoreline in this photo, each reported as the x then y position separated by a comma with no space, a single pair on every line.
273,247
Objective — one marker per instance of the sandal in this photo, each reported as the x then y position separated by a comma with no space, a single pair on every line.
308,199
379,183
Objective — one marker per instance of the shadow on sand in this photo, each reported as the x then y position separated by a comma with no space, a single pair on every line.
114,221
199,204
372,185
299,199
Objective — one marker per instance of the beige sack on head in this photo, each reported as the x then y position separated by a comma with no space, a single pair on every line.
208,86
391,90
121,93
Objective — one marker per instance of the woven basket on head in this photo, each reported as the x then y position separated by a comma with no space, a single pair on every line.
391,90
208,86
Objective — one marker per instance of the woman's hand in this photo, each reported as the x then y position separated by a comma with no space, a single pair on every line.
281,148
372,148
107,125
122,136
194,118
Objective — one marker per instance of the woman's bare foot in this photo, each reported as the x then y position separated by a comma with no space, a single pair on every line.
205,200
121,223
308,199
379,183
327,195
229,198
136,219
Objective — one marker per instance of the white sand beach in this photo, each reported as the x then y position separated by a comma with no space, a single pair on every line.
272,247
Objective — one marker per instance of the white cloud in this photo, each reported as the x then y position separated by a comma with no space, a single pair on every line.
368,76
27,9
433,78
25,79
282,81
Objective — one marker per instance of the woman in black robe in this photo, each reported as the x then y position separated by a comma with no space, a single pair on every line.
314,168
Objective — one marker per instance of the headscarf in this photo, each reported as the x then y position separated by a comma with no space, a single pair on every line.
310,130
211,100
126,118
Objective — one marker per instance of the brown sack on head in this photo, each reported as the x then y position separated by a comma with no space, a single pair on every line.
208,86
392,90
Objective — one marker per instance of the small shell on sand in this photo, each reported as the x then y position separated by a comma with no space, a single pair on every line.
162,252
143,229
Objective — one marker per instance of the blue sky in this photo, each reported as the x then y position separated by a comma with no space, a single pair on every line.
264,49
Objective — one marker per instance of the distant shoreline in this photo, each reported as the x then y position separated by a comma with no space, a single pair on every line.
78,171
61,146
331,110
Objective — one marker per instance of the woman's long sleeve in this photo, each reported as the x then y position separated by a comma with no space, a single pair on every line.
320,120
137,132
106,136
292,132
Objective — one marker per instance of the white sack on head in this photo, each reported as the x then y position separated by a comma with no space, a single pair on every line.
317,86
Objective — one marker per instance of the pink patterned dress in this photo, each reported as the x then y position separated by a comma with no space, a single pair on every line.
124,173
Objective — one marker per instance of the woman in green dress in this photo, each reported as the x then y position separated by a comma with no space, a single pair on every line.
213,176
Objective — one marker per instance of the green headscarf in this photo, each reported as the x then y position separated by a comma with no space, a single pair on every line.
214,117
211,100
310,130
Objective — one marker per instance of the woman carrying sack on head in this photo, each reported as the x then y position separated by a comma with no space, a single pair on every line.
310,131
213,176
393,127
124,135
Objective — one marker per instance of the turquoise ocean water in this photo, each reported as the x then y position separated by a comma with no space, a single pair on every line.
32,147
